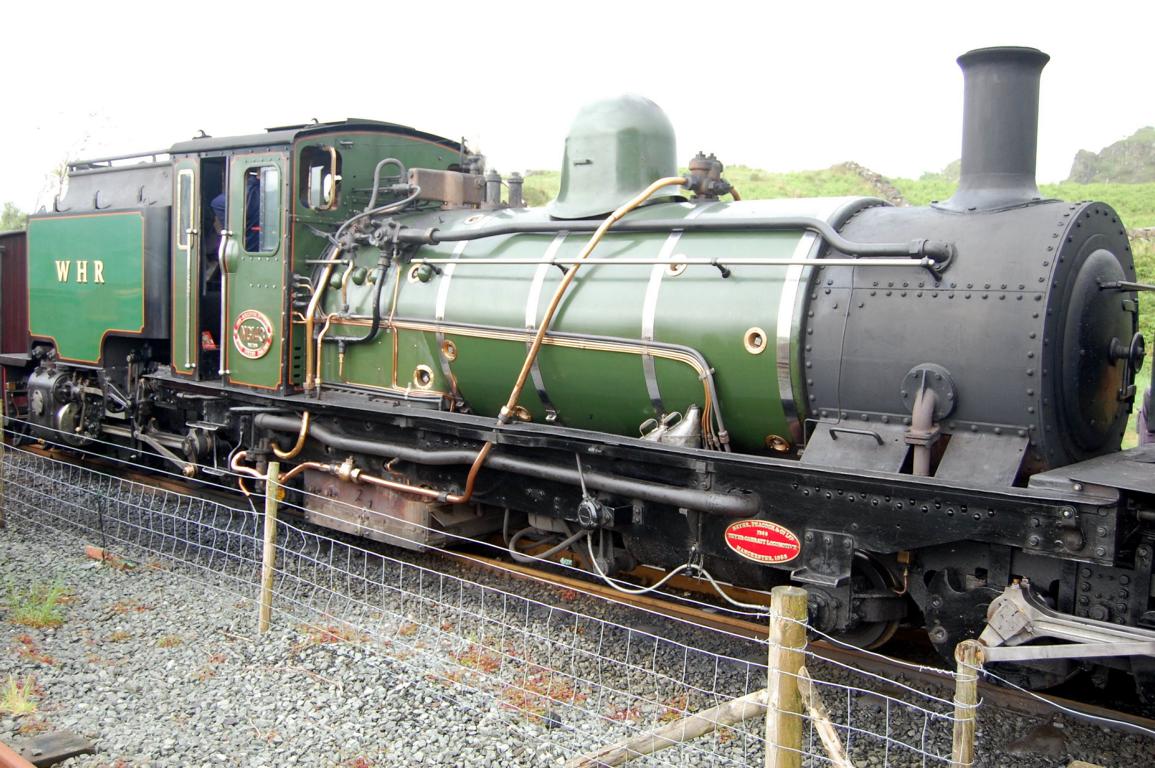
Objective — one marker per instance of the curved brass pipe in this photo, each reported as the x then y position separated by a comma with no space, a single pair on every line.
311,314
320,350
292,452
547,319
302,467
236,466
345,284
389,323
346,471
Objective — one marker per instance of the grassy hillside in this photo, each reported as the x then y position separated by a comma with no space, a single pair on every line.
1134,202
753,184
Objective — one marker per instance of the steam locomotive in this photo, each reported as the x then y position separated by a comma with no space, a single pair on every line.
905,410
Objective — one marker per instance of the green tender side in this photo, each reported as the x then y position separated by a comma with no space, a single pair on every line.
85,280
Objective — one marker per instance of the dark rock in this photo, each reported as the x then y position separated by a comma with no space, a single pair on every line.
1045,740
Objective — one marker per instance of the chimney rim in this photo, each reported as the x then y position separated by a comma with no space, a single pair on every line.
1003,53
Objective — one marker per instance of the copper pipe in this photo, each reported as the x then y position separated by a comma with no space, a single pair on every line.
311,313
632,348
346,471
390,324
302,467
345,285
471,479
358,476
320,351
236,466
292,452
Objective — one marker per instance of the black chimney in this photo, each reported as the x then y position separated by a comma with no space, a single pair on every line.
1000,128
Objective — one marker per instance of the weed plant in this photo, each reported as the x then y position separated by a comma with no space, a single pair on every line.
17,697
39,606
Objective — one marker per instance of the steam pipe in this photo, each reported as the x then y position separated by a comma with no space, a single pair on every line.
298,445
712,502
375,318
403,173
922,422
937,250
311,314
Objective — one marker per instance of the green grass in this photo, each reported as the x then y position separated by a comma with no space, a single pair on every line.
1144,251
1135,203
17,696
39,606
1142,381
837,181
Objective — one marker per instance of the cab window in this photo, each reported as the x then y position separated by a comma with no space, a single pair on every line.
262,209
320,182
184,207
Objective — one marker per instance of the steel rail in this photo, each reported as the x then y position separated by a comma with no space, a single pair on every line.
9,758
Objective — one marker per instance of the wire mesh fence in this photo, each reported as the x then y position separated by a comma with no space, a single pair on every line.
571,669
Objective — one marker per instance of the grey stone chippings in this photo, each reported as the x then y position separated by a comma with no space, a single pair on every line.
160,665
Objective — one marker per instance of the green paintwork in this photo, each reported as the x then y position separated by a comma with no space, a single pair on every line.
615,149
360,151
77,315
598,389
256,280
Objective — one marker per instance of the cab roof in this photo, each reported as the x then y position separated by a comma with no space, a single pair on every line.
287,134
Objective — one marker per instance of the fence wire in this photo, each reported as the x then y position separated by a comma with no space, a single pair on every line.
574,671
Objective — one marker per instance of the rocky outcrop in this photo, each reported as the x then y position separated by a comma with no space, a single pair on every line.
877,182
1130,161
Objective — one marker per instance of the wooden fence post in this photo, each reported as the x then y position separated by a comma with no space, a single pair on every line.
784,702
969,655
269,559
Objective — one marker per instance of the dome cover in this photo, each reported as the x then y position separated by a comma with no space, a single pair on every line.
615,149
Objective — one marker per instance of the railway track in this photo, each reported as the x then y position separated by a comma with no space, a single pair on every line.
887,667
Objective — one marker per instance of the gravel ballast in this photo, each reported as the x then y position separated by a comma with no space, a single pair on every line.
161,671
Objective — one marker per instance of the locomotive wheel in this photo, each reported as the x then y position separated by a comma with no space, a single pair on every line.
868,575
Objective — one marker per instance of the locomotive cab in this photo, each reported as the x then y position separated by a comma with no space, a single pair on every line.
251,222
229,217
